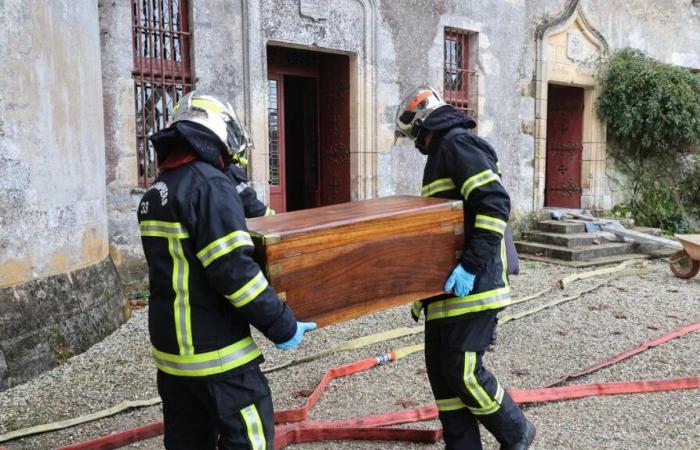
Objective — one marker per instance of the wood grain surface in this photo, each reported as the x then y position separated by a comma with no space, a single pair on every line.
339,262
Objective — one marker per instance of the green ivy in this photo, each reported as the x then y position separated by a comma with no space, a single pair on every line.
652,111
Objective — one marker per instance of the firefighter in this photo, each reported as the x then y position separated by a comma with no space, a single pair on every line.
205,289
252,206
460,324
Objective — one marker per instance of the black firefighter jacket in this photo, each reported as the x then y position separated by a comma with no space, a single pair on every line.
252,206
462,166
206,290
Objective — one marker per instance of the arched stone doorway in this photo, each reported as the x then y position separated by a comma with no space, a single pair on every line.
570,140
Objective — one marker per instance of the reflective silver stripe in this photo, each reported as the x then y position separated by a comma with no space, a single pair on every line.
456,306
443,184
181,304
470,381
199,363
254,428
477,180
450,404
224,245
491,408
499,395
249,291
156,228
490,223
242,187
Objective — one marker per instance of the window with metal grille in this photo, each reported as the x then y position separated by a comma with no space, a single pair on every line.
459,74
162,71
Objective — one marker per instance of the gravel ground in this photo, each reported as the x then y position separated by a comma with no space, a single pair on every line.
530,352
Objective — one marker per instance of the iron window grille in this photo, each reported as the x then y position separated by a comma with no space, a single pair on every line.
459,79
162,72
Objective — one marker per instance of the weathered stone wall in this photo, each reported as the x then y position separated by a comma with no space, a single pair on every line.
52,204
46,321
393,45
53,218
123,193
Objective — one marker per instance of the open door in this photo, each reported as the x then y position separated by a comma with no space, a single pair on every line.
309,128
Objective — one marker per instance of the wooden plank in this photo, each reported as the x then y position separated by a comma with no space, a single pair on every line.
643,237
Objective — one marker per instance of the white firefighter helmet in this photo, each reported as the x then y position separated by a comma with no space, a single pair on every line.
216,115
414,109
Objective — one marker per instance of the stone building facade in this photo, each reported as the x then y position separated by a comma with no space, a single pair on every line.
317,82
514,50
59,291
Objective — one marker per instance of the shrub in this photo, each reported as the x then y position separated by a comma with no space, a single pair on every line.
652,112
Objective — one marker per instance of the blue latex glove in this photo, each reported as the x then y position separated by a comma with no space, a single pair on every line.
302,327
460,282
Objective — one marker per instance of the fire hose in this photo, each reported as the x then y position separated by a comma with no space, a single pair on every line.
293,428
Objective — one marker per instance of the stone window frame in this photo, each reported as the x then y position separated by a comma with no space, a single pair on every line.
162,72
460,60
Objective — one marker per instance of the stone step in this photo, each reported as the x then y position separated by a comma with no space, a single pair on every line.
564,240
583,253
558,226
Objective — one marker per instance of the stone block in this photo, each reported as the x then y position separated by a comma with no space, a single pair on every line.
45,321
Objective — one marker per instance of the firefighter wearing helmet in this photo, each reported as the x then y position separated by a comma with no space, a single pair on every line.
461,323
205,288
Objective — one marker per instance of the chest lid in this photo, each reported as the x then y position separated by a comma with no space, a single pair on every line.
385,215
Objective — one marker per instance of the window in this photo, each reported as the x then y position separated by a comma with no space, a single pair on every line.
460,77
162,71
273,129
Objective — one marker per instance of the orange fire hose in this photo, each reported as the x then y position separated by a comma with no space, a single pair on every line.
369,427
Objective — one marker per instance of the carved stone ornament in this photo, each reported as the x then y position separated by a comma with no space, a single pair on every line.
317,10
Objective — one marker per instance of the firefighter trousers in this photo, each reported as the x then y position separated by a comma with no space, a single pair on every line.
230,411
466,393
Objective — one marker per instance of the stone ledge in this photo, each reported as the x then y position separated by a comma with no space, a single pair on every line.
43,322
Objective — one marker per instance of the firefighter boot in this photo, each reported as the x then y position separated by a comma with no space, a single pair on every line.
524,444
509,425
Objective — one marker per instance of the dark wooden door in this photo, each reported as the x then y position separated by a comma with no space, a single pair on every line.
564,147
334,121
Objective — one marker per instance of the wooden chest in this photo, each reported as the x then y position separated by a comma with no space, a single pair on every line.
339,262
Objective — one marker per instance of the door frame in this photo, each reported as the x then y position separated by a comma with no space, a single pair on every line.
564,53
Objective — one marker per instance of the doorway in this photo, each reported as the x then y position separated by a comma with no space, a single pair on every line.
309,128
564,146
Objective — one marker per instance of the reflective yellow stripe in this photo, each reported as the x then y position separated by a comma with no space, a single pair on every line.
181,304
443,184
269,211
417,308
490,223
157,228
471,382
209,105
450,404
478,180
254,428
223,246
494,406
249,291
209,363
498,168
504,261
456,306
